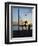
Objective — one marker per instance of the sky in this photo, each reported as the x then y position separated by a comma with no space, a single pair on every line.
24,14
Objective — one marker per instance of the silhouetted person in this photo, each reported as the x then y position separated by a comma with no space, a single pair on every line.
25,24
29,26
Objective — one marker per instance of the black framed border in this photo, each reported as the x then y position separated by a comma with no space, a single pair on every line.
7,22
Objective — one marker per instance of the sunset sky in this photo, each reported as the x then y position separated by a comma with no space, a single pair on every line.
24,14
